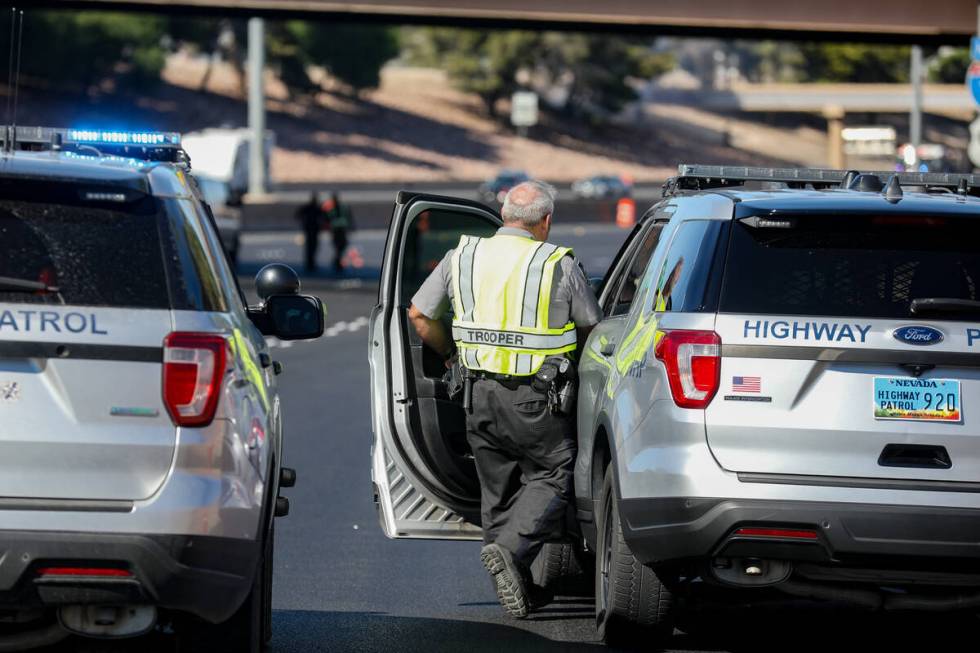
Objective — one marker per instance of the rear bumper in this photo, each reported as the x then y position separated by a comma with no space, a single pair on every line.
205,576
665,530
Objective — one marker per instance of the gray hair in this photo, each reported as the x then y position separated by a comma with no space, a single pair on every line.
528,203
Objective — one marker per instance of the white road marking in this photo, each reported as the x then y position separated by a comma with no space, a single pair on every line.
271,254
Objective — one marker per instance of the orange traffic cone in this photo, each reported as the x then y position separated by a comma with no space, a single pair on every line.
626,213
353,258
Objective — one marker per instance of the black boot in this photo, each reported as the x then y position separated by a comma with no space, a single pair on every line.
509,579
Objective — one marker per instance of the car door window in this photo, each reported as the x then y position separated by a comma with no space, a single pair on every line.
431,234
619,302
682,282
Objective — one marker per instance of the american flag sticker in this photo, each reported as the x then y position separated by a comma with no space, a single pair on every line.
747,384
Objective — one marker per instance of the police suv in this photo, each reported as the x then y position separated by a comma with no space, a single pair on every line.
140,426
781,395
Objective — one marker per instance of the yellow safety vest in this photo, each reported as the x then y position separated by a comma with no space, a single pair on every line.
501,298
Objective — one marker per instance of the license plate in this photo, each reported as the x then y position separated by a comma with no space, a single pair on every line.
936,400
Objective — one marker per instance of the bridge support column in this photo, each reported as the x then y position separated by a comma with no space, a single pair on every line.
835,141
256,107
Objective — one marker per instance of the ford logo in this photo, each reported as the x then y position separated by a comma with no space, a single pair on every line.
918,335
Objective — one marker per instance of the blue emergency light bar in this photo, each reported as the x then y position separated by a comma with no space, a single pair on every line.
104,137
137,145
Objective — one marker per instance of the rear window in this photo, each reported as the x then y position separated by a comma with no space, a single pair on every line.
94,255
850,266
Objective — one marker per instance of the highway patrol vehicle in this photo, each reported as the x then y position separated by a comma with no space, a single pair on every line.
140,425
782,394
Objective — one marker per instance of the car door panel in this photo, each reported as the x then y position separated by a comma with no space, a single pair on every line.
424,479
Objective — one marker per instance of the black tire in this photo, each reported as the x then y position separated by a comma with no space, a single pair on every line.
556,561
564,569
267,569
245,631
634,609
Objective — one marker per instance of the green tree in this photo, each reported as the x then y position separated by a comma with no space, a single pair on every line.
78,50
949,66
854,62
482,62
596,71
353,54
769,61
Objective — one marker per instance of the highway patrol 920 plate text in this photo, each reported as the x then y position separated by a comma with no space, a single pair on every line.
936,400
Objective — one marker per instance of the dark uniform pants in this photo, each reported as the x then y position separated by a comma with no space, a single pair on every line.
524,457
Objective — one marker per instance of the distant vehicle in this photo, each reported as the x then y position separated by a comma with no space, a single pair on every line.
140,463
602,187
496,189
219,161
927,157
226,207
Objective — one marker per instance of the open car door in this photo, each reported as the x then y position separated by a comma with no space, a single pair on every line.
425,483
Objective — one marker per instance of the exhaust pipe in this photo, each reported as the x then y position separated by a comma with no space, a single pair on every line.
108,621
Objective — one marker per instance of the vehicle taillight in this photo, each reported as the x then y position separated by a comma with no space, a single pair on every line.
779,533
693,362
193,367
91,572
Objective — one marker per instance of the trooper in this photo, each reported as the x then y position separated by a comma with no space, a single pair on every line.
520,308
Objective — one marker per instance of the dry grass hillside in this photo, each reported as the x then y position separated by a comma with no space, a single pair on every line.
416,127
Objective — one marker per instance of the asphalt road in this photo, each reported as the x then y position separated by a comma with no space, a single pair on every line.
340,585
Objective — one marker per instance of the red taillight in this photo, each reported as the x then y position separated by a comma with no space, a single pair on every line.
193,366
693,362
98,572
781,533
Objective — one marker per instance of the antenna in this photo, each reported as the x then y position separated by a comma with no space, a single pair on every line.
10,77
20,46
893,189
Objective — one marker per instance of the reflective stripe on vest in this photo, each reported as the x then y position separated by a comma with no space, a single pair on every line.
501,300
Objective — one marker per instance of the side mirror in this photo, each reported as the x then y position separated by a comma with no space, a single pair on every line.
293,317
284,313
595,283
276,279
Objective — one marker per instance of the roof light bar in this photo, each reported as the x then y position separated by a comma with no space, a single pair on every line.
710,176
135,145
103,137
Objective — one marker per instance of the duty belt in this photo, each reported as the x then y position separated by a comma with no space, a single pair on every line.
507,380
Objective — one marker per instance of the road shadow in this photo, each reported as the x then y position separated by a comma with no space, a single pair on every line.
803,626
745,629
303,630
365,128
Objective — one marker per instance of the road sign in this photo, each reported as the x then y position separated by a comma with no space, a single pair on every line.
973,149
973,80
524,109
975,48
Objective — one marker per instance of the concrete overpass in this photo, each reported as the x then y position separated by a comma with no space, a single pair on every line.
948,21
945,99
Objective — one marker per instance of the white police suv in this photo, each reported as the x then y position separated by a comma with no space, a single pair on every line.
140,426
782,396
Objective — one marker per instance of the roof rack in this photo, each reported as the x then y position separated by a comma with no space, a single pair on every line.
145,145
700,177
